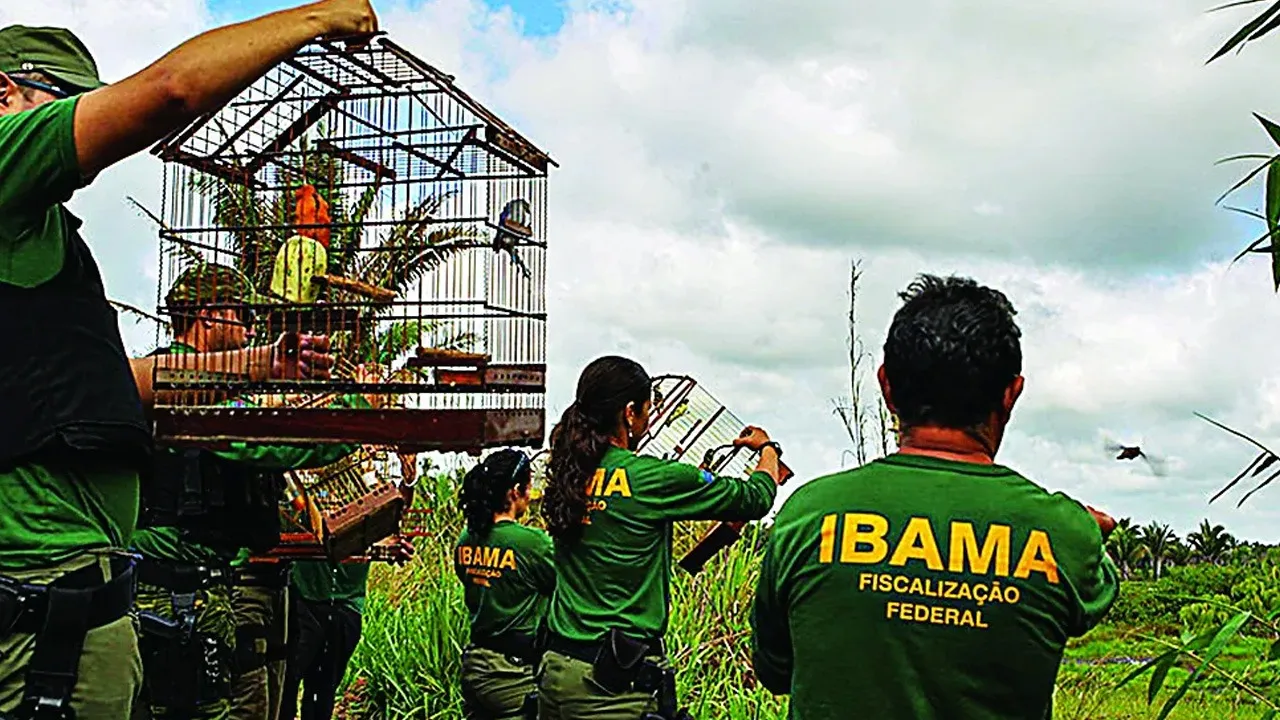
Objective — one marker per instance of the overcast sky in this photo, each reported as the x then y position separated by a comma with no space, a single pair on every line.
722,162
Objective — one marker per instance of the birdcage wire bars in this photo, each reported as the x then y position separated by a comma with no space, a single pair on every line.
424,264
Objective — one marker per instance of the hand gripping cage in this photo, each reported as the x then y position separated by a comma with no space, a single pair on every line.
688,424
361,195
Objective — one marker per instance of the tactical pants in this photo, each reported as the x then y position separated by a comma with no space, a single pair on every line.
566,691
257,688
109,674
322,638
493,686
214,618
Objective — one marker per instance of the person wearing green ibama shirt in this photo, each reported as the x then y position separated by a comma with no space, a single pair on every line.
507,576
933,583
610,512
74,435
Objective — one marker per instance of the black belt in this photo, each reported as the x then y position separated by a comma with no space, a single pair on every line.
587,650
24,606
181,577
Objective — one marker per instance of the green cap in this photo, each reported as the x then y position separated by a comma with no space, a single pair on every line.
210,284
56,52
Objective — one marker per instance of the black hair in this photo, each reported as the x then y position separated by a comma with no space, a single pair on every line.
485,487
607,385
950,353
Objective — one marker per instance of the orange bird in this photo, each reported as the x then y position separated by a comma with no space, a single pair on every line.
312,210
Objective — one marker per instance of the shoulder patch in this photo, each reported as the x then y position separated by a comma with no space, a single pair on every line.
706,475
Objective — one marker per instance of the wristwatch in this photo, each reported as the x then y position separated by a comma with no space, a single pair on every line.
773,444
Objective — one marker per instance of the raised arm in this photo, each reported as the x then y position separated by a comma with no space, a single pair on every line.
114,122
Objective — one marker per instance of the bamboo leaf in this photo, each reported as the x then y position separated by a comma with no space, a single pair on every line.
1273,211
1243,34
1144,667
1239,477
1243,181
1246,156
1263,484
1219,643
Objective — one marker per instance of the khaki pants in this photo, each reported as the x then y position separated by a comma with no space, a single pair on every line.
256,695
214,616
493,687
109,677
567,692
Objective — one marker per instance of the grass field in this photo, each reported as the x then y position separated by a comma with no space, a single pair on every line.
415,626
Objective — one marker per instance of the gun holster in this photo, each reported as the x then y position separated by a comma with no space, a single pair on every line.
183,668
621,666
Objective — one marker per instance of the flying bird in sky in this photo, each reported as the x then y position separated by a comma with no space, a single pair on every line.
1133,452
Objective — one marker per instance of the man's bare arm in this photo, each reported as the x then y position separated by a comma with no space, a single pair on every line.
201,75
304,357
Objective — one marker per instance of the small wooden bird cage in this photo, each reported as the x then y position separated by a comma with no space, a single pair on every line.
687,424
349,505
365,197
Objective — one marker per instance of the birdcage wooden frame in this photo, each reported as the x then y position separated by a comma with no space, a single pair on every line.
388,126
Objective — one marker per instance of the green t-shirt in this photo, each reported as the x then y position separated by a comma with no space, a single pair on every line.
319,581
166,543
52,513
507,578
619,573
915,588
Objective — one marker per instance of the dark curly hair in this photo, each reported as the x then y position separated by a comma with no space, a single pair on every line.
485,487
606,387
950,353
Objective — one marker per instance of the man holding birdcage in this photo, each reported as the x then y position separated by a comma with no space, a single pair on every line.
204,640
74,435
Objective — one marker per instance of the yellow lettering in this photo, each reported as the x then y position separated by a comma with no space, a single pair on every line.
618,484
900,583
464,555
490,557
966,618
935,615
917,543
1037,556
827,547
597,483
979,623
952,615
884,583
854,536
917,588
964,545
865,579
509,560
888,609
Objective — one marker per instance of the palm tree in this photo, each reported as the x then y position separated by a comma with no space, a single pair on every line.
1125,548
1211,543
1157,539
1180,553
413,247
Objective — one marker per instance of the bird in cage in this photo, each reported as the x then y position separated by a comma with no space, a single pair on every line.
304,256
514,224
312,209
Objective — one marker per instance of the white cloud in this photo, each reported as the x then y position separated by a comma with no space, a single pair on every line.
722,162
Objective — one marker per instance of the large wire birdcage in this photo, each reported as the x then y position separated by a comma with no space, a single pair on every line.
363,196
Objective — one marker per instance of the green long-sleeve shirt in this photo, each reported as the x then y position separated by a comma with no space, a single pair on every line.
166,543
915,588
619,573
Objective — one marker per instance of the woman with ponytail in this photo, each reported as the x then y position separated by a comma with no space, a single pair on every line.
610,512
507,579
